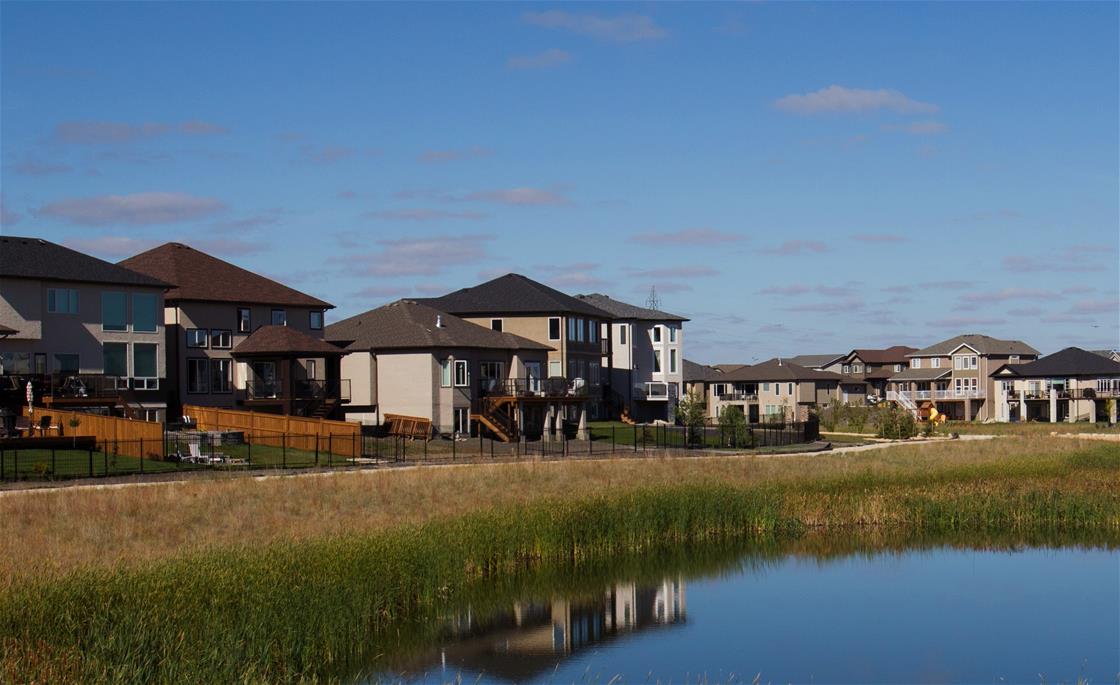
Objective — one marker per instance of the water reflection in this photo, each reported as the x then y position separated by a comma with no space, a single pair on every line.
529,639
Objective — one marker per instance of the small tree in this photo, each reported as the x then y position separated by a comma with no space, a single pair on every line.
830,415
856,415
733,427
692,413
895,423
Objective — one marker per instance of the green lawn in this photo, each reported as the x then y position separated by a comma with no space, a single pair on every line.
39,464
1025,428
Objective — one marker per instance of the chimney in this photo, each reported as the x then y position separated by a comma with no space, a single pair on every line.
439,321
779,361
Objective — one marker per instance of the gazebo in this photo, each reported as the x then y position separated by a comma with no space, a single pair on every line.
290,372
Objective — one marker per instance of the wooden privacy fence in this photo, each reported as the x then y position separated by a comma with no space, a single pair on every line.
127,436
343,437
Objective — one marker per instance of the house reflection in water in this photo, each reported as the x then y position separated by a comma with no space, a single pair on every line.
532,637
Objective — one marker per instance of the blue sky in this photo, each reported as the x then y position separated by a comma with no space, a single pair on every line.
795,177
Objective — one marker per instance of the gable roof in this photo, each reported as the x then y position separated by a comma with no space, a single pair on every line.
778,369
512,294
983,344
725,368
814,360
406,324
1107,354
692,372
284,340
199,277
922,374
41,259
622,310
891,355
1072,361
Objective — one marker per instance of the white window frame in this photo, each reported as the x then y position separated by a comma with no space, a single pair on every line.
559,328
501,325
622,334
205,338
556,369
461,365
655,333
916,363
220,338
672,361
205,376
145,382
935,363
445,373
656,361
672,333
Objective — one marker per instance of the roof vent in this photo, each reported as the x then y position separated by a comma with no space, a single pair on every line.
439,321
779,361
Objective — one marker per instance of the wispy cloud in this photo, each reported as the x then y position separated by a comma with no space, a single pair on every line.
849,304
34,167
672,272
624,28
1007,294
428,256
796,247
432,156
114,246
522,197
331,154
422,214
136,209
583,276
960,321
1054,263
841,99
687,236
1096,307
795,289
879,238
552,57
7,216
116,132
381,292
919,128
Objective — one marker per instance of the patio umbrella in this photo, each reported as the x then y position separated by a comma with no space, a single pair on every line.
30,396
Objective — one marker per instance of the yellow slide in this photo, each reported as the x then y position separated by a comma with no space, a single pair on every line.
936,416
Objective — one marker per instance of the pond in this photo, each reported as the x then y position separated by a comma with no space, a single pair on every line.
941,614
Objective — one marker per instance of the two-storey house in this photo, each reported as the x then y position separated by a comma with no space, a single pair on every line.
240,340
1070,385
954,376
772,390
865,372
86,333
571,327
410,359
646,361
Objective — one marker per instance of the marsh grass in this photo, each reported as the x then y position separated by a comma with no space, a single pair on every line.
309,579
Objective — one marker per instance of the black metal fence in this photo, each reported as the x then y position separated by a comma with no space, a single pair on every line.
63,458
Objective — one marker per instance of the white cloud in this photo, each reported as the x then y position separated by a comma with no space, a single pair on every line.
518,197
796,247
840,99
552,57
7,216
422,214
688,236
625,28
428,256
136,209
116,132
114,246
919,128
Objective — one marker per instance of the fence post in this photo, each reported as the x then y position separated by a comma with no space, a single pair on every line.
141,455
284,450
612,439
53,467
249,451
635,437
454,439
330,447
354,446
316,449
90,461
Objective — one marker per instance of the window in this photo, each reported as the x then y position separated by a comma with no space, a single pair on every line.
672,335
198,376
496,325
221,339
897,368
657,334
936,362
593,373
672,361
846,368
554,370
622,334
144,372
12,363
62,300
115,359
145,318
462,418
554,328
114,312
571,330
221,377
462,373
765,387
964,362
311,369
197,337
1013,359
279,317
445,373
592,331
790,388
66,363
777,389
657,361
244,320
915,363
857,368
490,370
579,330
315,320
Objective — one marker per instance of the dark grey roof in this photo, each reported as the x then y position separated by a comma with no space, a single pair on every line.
725,368
622,310
1107,354
1072,361
41,259
813,361
778,369
407,324
693,372
512,294
984,344
922,374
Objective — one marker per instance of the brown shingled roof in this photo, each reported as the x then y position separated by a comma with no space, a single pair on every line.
778,370
891,355
282,340
198,276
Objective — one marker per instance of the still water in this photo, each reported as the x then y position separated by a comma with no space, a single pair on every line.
930,616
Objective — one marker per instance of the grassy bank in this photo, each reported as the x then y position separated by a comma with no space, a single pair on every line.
297,579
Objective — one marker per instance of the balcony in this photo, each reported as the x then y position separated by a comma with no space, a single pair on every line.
738,397
655,392
935,395
338,389
537,387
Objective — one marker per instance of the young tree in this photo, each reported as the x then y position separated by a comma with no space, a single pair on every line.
733,427
692,413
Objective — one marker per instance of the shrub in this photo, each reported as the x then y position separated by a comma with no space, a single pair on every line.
895,423
733,428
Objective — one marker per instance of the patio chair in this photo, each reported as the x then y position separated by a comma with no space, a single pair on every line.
46,425
23,425
197,457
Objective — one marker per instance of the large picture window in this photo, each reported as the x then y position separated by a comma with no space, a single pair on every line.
115,359
114,312
144,372
198,376
244,320
221,376
62,301
145,317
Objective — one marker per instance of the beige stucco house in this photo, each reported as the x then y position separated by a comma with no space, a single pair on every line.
86,333
773,389
1070,385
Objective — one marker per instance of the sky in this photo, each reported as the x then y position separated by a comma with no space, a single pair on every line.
796,178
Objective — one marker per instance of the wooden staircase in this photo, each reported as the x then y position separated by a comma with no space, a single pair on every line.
324,409
497,415
130,405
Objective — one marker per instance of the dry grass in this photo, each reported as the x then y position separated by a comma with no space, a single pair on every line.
64,529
